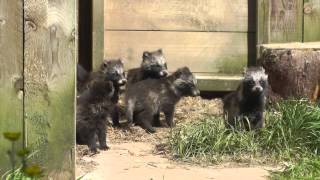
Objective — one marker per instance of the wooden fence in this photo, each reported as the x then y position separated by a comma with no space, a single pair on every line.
215,38
282,21
212,37
37,80
38,42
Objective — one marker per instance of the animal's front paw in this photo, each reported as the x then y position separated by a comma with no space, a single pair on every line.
171,125
93,151
151,130
104,148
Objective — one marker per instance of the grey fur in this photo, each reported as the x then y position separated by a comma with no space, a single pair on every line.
93,106
246,105
153,66
146,99
82,77
111,70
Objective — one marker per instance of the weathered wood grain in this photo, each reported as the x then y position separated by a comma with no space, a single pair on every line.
11,75
97,33
292,46
50,83
280,21
219,53
212,82
293,69
178,15
311,20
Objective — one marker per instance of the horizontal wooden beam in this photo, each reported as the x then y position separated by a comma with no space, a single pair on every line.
300,46
218,83
218,53
177,15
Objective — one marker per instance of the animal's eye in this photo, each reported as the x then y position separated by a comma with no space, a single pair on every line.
262,82
251,82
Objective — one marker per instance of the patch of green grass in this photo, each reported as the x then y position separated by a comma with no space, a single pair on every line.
304,169
18,174
208,140
292,132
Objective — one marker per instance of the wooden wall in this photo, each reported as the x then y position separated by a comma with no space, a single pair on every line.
211,37
37,77
282,21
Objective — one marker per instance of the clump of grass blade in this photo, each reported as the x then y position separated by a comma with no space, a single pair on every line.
307,168
208,139
292,132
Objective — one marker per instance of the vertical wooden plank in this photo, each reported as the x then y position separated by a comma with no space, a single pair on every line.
311,20
279,21
97,32
263,19
49,84
11,77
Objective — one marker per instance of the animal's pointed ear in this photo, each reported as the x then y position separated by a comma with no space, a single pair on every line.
160,51
120,60
178,72
145,55
265,77
244,70
185,69
105,64
262,69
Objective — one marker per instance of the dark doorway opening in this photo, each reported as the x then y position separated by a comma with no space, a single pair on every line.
85,34
252,33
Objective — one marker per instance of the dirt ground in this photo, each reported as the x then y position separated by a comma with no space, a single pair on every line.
135,154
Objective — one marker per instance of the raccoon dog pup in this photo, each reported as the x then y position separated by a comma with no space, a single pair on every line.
111,70
153,66
246,105
93,106
82,77
147,98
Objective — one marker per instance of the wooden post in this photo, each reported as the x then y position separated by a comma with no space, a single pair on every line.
311,20
11,77
50,84
97,33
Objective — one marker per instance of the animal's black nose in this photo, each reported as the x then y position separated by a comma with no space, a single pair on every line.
163,73
257,89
